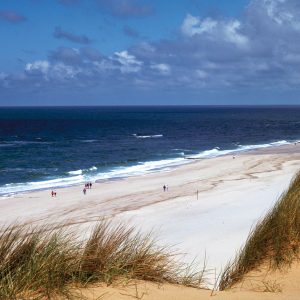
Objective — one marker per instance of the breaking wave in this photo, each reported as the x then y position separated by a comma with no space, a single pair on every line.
79,176
153,136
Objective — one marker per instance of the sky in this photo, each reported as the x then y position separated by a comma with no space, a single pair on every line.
142,52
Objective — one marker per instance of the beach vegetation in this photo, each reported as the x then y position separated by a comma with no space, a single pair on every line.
274,241
42,262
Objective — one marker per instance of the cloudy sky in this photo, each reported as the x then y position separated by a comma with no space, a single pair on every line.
111,52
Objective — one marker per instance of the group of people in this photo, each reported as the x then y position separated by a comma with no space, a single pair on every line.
165,188
87,186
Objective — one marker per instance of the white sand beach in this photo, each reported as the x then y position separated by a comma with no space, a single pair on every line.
233,195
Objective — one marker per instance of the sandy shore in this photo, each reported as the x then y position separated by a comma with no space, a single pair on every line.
259,285
233,195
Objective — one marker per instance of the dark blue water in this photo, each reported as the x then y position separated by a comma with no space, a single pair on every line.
45,147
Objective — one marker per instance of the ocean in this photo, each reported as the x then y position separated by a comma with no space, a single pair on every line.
61,146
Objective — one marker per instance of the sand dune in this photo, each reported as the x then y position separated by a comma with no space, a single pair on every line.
261,284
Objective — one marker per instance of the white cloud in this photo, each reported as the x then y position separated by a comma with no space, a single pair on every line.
209,53
231,31
162,68
274,12
216,30
105,65
193,25
52,71
129,63
39,65
281,12
62,71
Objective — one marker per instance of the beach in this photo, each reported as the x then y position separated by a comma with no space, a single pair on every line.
279,285
211,225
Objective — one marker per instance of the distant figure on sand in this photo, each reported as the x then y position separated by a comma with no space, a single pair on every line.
84,191
53,194
90,184
164,187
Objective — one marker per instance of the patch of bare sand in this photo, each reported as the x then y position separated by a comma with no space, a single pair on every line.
260,284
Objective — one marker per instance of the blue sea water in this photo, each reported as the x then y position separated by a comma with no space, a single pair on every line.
60,146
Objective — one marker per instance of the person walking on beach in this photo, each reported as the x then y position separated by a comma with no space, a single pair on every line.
84,191
52,193
90,185
164,187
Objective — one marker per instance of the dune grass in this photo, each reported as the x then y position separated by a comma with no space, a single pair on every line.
43,262
274,240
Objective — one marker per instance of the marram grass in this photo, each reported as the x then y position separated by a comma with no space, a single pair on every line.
274,240
44,263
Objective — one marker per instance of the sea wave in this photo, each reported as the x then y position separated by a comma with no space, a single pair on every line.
13,188
141,168
274,144
88,141
210,153
180,149
218,152
21,143
78,172
153,136
6,145
80,176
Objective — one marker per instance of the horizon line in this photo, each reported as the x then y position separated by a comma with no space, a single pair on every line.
150,105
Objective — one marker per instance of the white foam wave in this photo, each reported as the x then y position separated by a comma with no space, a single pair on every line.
141,168
121,172
147,136
218,152
180,149
210,153
88,141
78,172
21,143
274,144
12,188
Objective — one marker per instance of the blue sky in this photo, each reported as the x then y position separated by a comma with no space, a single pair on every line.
119,52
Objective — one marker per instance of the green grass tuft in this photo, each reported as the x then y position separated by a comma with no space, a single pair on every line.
275,239
43,262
